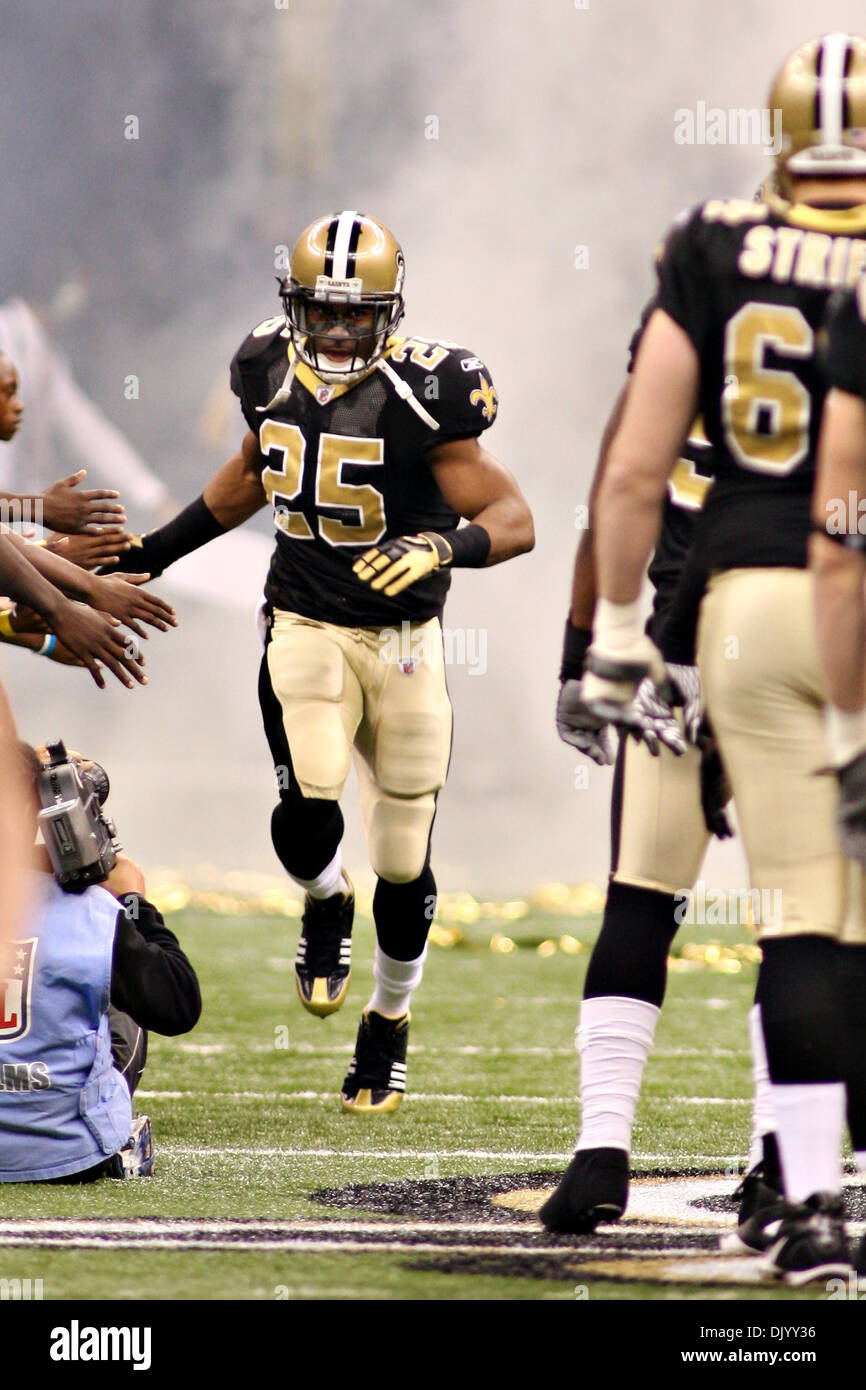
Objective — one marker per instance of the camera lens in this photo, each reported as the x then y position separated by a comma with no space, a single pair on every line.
97,779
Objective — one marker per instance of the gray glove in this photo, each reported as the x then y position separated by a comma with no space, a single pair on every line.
654,710
577,726
852,808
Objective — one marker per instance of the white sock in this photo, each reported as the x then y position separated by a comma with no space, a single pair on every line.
763,1120
330,881
809,1121
395,983
614,1038
860,1160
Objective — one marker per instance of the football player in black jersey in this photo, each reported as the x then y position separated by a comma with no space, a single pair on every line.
742,291
367,445
838,555
668,797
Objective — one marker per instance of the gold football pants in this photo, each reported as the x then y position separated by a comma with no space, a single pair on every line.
764,694
660,836
381,695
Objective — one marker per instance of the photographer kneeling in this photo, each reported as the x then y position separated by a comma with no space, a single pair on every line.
92,969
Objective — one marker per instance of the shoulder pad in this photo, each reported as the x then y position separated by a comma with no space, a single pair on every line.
454,385
264,345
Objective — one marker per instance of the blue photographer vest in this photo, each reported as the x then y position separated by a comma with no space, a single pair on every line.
63,1105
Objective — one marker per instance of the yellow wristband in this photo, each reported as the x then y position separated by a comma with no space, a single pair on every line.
6,629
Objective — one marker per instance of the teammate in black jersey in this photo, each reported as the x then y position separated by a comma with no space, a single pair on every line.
838,555
659,832
838,550
742,292
367,446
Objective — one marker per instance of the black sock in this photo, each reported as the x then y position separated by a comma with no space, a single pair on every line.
306,834
852,964
403,913
630,957
800,1009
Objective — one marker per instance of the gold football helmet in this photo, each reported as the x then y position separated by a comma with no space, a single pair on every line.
820,91
347,270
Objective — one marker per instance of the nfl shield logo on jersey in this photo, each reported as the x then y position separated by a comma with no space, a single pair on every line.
15,987
324,394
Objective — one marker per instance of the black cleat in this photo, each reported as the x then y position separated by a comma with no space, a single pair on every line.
811,1242
376,1078
323,963
762,1207
593,1189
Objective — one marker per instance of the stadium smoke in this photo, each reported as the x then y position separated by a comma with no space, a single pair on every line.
525,156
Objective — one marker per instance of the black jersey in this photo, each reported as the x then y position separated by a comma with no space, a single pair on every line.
346,467
845,359
689,482
749,282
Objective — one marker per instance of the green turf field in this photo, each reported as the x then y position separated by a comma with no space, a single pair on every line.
247,1121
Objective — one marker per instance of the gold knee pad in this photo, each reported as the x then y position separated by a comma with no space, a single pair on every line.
398,832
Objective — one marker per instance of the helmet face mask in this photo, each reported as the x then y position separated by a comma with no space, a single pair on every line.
343,295
365,325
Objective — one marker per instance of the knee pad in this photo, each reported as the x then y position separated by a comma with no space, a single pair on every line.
630,956
398,836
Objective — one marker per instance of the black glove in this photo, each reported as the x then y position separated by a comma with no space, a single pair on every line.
715,788
852,808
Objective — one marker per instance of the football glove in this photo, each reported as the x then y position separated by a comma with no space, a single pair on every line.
852,808
612,678
659,724
715,788
577,726
394,565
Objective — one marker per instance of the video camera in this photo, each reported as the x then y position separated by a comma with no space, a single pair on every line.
80,838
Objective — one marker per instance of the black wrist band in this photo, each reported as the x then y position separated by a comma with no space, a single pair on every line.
574,649
470,546
849,540
154,552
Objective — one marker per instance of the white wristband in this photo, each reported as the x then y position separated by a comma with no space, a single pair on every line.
617,626
846,734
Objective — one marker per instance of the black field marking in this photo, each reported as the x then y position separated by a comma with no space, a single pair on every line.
669,1234
466,1198
855,1203
348,1236
628,1268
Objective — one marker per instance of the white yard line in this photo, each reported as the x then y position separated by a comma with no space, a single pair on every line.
230,1150
346,1049
437,1097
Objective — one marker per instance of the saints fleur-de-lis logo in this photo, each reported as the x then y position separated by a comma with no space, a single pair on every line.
485,396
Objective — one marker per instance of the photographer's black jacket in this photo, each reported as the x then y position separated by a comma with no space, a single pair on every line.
151,978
